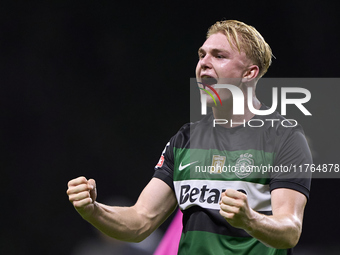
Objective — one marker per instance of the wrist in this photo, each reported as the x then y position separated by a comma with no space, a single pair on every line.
253,219
88,213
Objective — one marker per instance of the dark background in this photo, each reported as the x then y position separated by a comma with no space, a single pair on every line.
98,88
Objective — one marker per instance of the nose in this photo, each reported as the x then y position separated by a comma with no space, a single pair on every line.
205,62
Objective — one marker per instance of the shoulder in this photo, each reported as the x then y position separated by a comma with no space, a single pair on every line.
281,128
182,137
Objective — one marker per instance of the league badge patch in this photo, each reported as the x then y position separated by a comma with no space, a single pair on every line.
217,164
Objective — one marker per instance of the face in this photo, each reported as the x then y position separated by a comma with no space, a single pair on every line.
220,63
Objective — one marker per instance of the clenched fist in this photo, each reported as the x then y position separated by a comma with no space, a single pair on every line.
82,194
235,209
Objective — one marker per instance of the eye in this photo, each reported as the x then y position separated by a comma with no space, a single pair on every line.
219,56
201,55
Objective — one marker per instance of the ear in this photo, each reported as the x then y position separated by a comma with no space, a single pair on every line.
251,73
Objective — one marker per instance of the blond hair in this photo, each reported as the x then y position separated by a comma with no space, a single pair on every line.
247,39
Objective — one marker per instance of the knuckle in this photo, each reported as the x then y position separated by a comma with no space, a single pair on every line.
82,178
70,191
244,197
72,198
78,204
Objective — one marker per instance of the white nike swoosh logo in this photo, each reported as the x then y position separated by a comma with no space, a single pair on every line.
180,168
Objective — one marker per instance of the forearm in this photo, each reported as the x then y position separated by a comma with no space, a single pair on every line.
280,231
156,202
122,223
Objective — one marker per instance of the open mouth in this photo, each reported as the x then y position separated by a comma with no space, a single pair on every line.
208,81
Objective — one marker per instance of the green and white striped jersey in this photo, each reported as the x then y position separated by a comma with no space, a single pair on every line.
201,161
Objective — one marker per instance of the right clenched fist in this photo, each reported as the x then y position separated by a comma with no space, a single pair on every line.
82,194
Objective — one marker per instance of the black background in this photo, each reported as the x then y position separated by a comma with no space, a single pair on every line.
98,88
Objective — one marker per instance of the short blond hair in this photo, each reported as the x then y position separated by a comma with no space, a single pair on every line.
247,39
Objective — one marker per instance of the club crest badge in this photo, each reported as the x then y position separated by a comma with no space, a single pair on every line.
244,165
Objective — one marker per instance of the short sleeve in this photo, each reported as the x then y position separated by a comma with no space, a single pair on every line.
293,153
165,165
164,170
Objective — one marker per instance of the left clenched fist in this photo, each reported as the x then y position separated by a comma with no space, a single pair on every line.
235,209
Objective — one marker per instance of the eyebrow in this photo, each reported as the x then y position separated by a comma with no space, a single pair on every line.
216,50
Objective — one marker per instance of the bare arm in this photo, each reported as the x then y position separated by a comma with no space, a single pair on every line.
156,202
281,230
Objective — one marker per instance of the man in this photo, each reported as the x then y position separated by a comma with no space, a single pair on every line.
232,212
